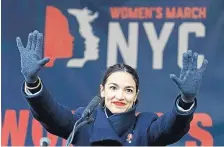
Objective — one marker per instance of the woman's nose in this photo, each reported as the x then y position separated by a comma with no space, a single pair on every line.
120,95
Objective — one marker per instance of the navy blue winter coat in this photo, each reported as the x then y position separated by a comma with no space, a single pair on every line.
145,129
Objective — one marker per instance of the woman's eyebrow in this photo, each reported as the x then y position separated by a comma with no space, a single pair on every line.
113,84
125,87
130,87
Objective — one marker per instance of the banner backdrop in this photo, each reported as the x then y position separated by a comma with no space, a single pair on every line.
84,37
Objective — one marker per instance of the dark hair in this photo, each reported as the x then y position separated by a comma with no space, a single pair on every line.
121,67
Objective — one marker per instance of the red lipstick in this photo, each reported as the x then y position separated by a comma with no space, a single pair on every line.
119,103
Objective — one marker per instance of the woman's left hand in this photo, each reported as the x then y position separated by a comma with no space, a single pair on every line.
190,78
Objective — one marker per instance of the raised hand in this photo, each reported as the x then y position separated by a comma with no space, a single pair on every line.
190,78
32,56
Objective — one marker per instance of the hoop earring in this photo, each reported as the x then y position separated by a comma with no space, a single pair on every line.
133,105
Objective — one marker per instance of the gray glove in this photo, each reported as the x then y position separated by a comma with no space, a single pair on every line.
190,78
32,56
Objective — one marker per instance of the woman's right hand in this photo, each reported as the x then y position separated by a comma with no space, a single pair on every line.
32,56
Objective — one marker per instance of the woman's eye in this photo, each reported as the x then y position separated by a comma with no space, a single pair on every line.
113,88
129,90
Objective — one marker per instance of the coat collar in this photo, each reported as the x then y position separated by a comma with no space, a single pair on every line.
113,127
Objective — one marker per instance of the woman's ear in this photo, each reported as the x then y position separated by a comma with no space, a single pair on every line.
102,93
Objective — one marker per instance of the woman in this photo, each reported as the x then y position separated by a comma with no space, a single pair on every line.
115,123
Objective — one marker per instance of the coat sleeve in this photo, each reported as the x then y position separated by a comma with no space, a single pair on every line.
170,127
54,117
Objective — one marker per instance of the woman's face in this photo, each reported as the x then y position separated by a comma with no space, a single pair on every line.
119,92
